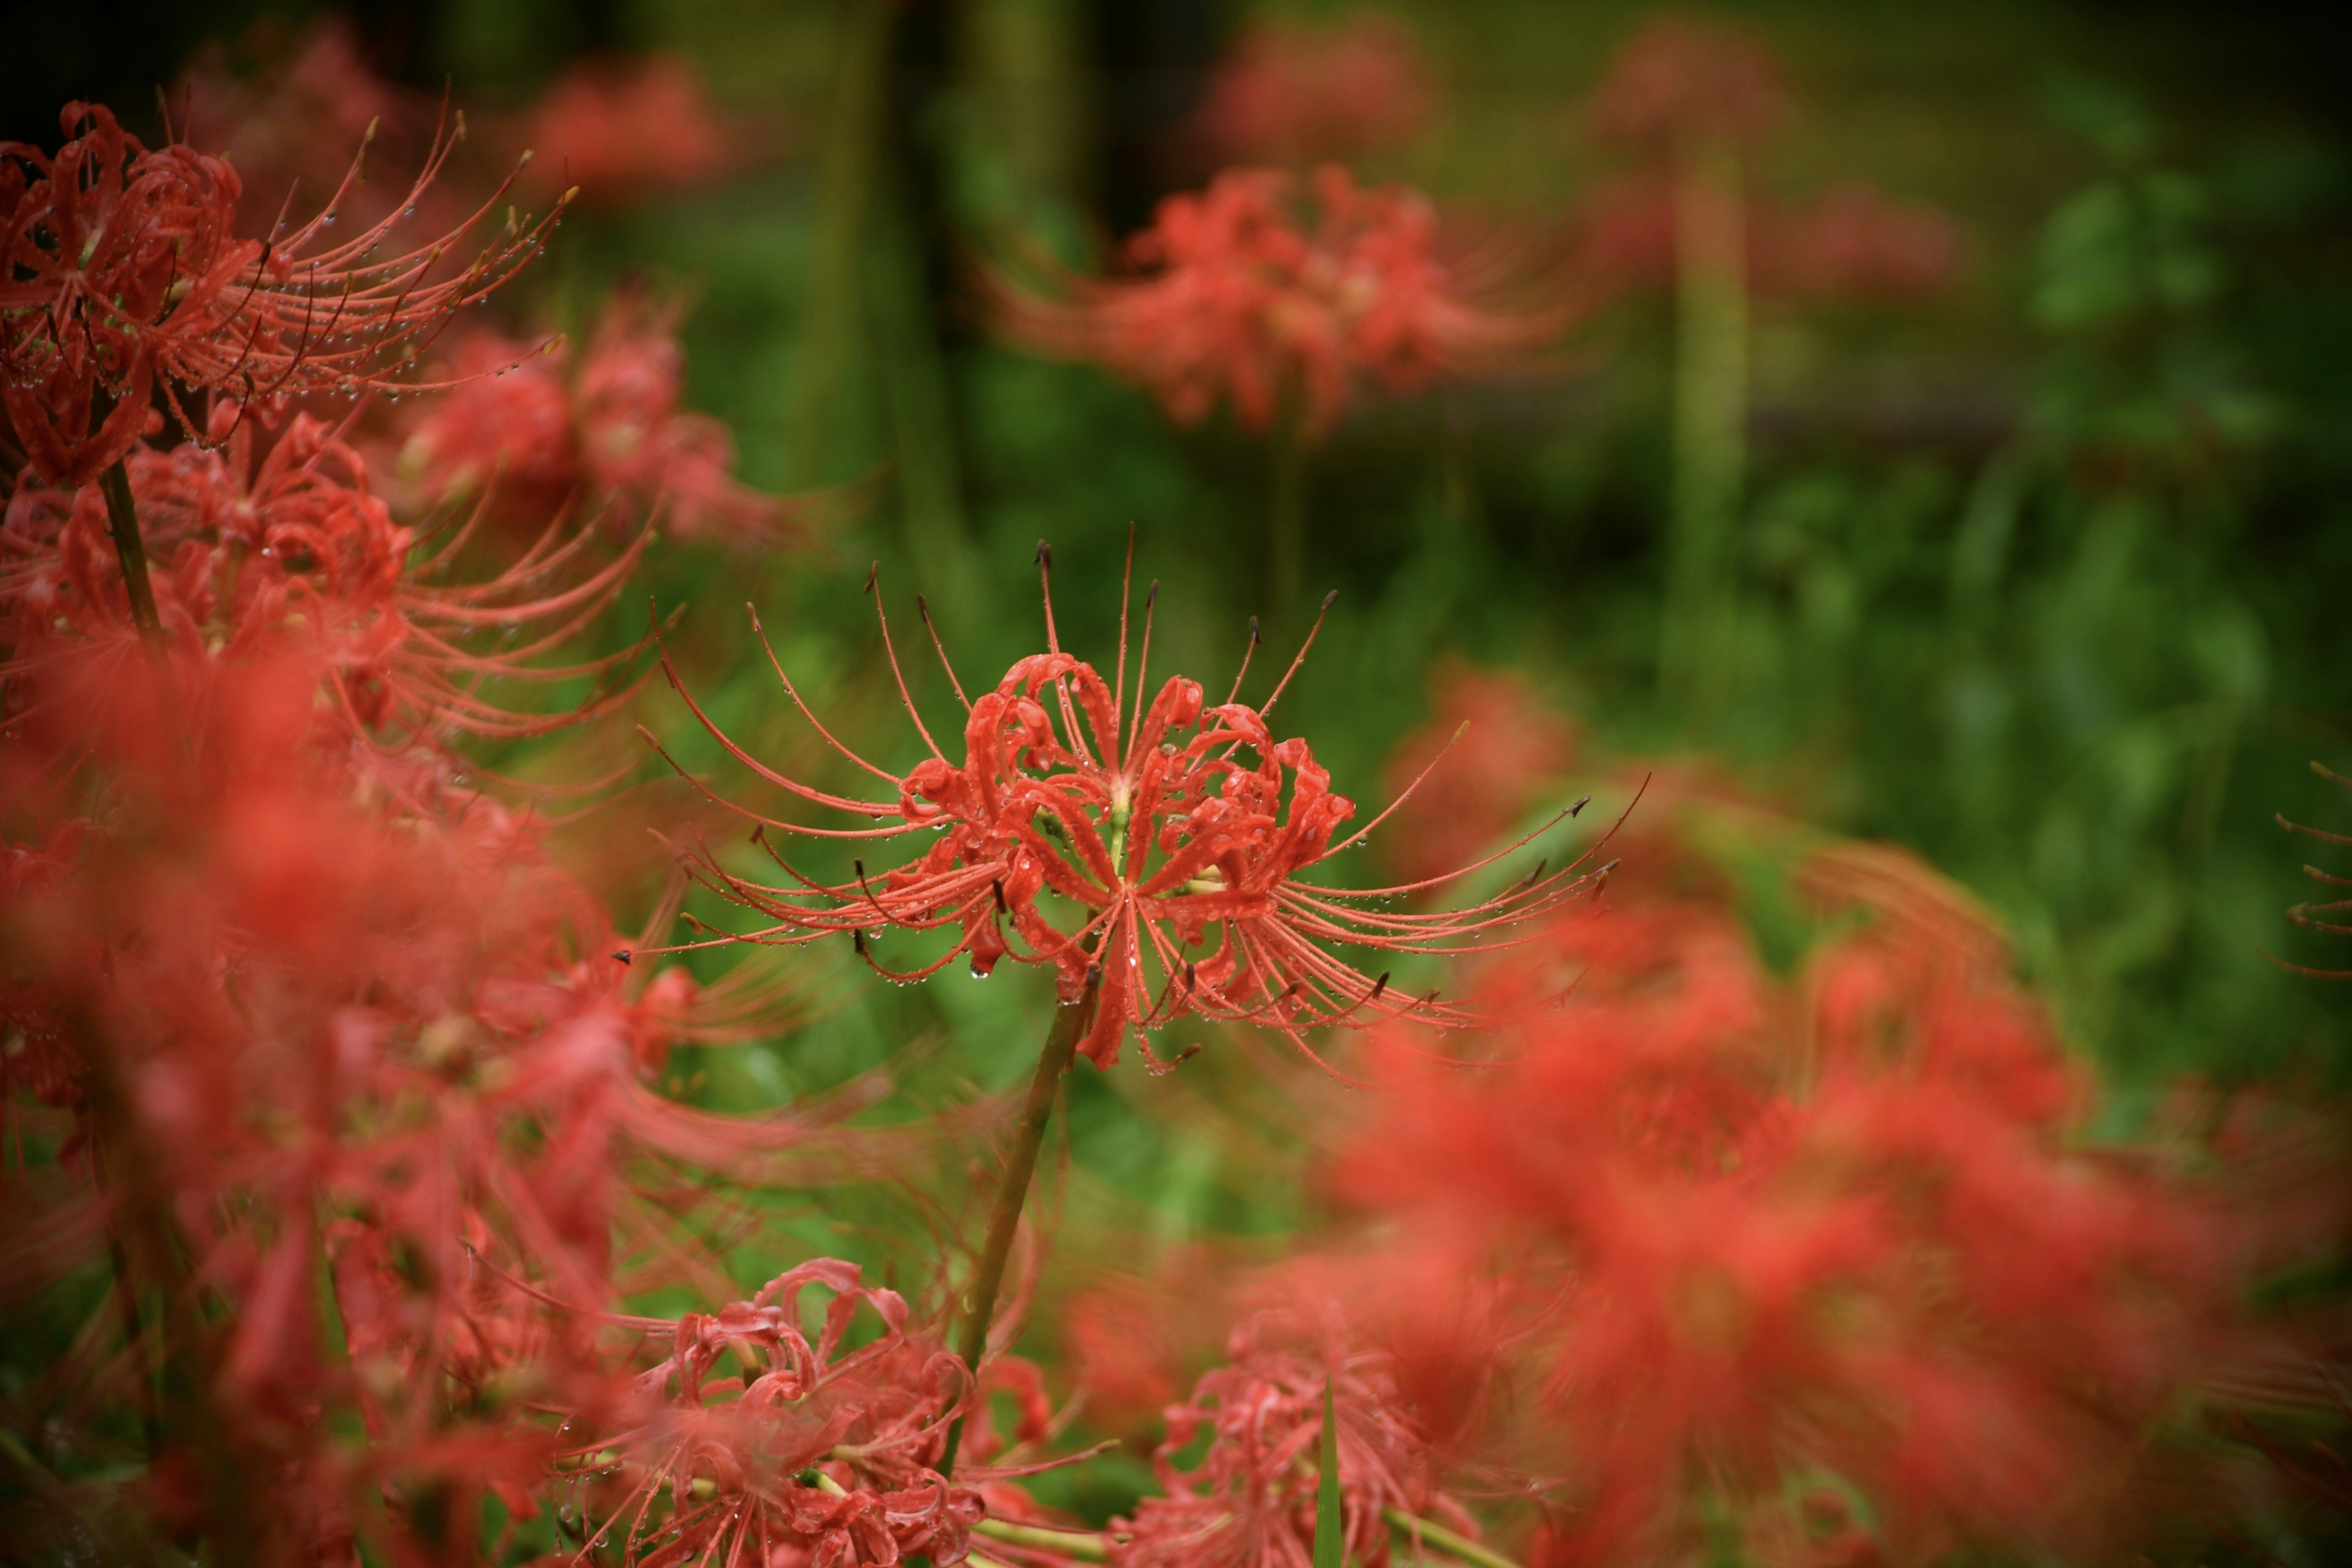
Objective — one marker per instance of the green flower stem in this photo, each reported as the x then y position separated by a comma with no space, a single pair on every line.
1710,414
1090,1546
1084,1546
122,520
1070,1020
1452,1544
1286,523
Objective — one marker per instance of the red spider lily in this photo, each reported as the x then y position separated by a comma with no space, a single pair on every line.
1759,1233
534,431
297,1031
1850,243
749,1437
1250,1500
1677,81
125,270
1504,747
1297,94
1683,95
1242,297
1180,860
289,125
626,129
252,544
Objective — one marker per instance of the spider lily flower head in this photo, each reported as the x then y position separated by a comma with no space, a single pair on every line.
1298,95
1254,295
1676,81
1758,1230
809,1451
287,120
254,543
1250,1500
1174,831
624,131
530,432
301,1027
125,271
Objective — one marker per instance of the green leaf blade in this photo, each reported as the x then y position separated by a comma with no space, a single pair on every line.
1331,1539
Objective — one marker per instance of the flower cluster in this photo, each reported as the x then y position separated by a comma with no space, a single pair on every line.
532,433
749,1437
1279,298
1174,831
1835,1236
127,277
340,1068
1249,1502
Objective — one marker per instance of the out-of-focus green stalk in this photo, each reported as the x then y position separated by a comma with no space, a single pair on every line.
1088,1546
837,254
1285,529
928,474
1710,415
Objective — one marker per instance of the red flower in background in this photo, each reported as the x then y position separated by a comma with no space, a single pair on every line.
1752,1232
1852,243
1179,860
1249,1502
1501,747
1115,1337
624,131
125,270
1251,295
1299,95
610,430
1695,102
1677,81
288,127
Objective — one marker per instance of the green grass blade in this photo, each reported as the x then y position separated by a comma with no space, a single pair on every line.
1331,1544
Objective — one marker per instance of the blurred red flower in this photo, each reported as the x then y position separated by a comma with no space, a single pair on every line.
1251,295
288,127
1753,1231
1249,1501
1487,749
1681,81
1298,95
808,1451
625,131
530,433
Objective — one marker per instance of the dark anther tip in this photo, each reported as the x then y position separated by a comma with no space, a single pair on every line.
1044,554
1152,593
871,571
621,954
1582,801
1330,598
